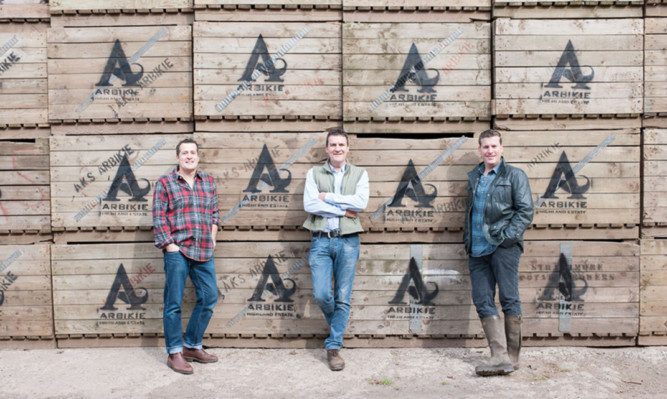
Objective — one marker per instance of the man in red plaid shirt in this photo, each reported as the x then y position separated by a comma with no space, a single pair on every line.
185,225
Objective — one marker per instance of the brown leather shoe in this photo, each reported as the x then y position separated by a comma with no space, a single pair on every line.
177,362
336,363
198,355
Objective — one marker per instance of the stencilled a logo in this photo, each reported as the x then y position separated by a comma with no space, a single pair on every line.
266,66
568,67
118,66
127,295
413,70
417,290
573,73
569,183
271,177
411,186
126,182
276,286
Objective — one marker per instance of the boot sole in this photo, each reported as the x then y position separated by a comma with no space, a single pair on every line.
195,359
484,372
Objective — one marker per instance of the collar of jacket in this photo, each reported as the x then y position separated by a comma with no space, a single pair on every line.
327,167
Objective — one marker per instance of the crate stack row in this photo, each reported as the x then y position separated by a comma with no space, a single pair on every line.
95,98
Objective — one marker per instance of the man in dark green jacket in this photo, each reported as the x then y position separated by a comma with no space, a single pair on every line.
499,209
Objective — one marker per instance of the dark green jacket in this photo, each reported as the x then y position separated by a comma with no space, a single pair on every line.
508,210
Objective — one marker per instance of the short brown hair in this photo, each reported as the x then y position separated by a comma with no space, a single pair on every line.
490,133
185,141
336,131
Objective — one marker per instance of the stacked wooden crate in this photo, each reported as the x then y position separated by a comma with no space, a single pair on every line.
121,72
653,291
568,9
568,99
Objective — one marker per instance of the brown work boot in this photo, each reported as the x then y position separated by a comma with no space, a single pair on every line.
177,362
513,334
198,355
336,363
499,363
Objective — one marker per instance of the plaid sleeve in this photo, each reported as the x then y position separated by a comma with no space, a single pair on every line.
215,214
161,225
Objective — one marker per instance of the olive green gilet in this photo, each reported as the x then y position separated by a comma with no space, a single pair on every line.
325,180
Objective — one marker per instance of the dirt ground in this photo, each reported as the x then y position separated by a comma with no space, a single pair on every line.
557,372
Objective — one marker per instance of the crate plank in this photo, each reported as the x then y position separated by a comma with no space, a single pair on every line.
59,6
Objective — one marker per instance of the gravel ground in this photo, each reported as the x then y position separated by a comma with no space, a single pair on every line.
557,372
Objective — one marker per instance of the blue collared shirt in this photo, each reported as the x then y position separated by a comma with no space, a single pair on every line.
480,246
335,204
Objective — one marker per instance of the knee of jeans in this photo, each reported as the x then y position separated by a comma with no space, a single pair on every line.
321,297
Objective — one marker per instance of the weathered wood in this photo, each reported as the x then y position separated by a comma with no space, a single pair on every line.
155,85
306,81
24,191
25,291
59,6
653,286
535,58
455,83
23,99
567,9
654,159
85,167
655,66
24,10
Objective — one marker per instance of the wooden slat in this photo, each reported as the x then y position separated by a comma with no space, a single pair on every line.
83,5
653,285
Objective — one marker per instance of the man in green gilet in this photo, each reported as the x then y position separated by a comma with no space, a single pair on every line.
335,192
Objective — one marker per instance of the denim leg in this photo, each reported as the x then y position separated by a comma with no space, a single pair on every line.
321,270
176,272
345,263
505,263
202,275
483,283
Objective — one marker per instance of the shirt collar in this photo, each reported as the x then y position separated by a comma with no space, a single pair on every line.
177,176
494,170
342,170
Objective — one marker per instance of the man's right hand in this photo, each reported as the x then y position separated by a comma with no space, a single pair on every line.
172,248
350,214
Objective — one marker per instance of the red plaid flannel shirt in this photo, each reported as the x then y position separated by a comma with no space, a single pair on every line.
184,216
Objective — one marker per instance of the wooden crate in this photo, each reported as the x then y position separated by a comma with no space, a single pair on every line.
23,77
653,291
303,83
260,176
568,67
107,181
120,73
595,283
264,4
268,10
24,187
654,217
567,9
57,7
25,293
601,200
454,85
24,11
656,8
655,73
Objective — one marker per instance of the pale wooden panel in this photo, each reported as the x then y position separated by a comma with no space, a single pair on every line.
655,69
156,86
23,71
655,159
71,5
653,285
25,281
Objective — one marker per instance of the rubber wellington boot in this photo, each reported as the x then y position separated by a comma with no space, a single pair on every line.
499,363
513,334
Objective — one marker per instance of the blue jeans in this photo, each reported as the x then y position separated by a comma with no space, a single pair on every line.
337,258
502,268
177,267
